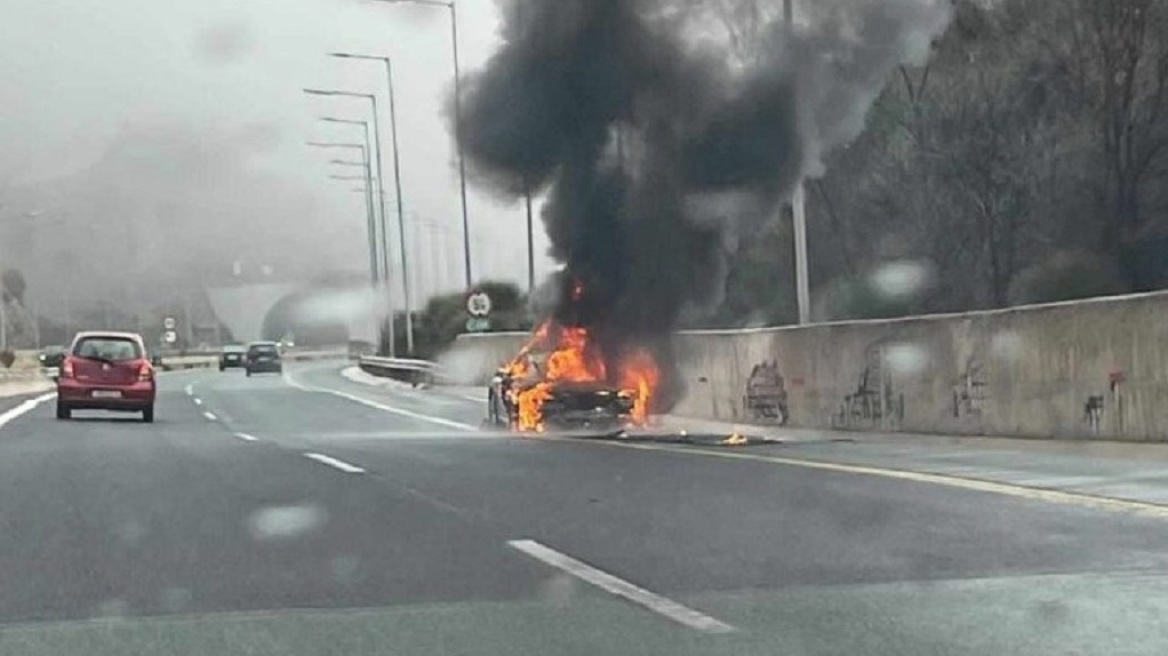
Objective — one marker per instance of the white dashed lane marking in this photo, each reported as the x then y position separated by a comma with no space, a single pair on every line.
613,585
334,463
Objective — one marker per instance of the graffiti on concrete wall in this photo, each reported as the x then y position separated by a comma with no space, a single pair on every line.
971,391
876,401
765,399
1093,412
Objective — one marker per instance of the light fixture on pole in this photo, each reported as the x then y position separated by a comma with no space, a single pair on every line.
376,141
449,4
384,245
370,216
401,222
392,347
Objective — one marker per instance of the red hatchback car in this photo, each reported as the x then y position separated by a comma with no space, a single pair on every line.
106,371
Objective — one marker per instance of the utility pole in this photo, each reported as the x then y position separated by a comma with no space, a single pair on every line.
530,239
450,5
401,225
799,218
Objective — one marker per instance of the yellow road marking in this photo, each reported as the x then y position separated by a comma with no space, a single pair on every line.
1020,491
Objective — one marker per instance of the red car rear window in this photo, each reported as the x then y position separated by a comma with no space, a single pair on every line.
114,349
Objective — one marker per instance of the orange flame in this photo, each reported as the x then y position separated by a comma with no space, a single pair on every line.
531,407
572,357
639,377
735,440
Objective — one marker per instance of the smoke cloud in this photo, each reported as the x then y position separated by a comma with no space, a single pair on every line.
656,153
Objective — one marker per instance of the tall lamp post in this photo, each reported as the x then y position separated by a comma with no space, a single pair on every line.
390,330
371,223
376,142
401,222
799,219
367,168
449,4
384,242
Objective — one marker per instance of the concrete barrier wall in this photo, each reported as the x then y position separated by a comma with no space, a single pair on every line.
1095,368
474,358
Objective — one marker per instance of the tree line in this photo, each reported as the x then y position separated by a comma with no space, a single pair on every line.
1026,162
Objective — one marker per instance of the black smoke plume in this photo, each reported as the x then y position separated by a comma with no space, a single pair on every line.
655,153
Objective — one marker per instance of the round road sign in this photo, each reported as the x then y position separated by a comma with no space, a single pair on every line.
478,304
169,323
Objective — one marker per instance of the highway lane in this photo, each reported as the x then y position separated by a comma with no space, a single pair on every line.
312,492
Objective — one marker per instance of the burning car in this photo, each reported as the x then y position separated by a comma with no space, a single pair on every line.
572,406
561,380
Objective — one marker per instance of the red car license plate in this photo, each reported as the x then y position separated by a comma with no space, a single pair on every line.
107,394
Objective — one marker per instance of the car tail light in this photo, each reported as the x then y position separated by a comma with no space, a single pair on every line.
66,368
145,372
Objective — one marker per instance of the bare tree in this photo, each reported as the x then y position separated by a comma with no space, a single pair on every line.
1122,72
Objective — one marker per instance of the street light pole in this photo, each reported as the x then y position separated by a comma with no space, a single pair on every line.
530,240
391,330
401,222
372,98
367,178
799,219
364,125
449,4
371,222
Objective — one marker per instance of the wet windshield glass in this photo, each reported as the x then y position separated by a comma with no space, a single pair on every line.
585,327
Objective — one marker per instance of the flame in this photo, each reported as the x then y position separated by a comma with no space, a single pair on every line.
639,377
531,407
735,440
573,357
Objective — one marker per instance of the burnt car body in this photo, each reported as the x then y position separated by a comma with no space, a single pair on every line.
572,406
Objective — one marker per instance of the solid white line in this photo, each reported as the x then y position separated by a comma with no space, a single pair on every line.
247,438
1047,495
25,407
621,588
457,425
334,463
211,416
198,401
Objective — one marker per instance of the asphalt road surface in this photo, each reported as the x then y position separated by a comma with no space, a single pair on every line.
309,514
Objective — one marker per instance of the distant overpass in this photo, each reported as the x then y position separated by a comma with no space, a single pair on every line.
244,309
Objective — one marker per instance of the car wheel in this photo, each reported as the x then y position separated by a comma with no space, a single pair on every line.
63,411
148,415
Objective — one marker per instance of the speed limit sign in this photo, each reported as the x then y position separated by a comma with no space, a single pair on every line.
169,323
478,304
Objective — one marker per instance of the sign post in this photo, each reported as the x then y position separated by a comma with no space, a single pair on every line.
478,306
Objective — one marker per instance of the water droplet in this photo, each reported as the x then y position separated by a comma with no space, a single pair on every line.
285,522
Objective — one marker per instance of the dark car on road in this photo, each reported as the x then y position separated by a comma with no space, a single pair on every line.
263,357
232,357
52,356
106,371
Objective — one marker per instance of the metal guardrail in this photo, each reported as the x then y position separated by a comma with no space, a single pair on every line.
179,363
20,375
414,372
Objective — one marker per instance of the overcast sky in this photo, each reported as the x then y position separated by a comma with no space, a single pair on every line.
77,74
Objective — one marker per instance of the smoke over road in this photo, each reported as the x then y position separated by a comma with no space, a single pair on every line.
658,154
